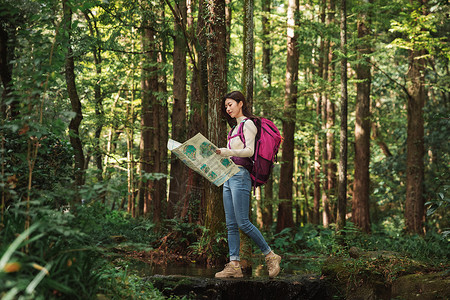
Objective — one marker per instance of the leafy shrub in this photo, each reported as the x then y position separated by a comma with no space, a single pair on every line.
49,259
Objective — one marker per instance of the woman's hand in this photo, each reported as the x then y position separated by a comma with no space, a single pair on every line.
218,151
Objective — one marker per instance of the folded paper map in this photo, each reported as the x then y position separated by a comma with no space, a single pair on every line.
199,154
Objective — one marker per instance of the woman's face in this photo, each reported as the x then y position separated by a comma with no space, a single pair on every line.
234,108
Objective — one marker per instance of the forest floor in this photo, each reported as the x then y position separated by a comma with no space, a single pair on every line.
358,275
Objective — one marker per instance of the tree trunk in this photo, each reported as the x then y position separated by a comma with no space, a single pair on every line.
285,216
249,53
318,165
178,169
266,200
217,87
74,125
342,185
361,199
161,121
149,133
414,206
195,184
330,121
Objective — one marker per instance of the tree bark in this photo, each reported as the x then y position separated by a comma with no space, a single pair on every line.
249,53
217,87
342,185
74,125
285,215
161,122
149,133
330,122
266,201
414,206
318,164
361,199
178,170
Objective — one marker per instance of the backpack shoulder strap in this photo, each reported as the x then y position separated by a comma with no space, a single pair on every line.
240,132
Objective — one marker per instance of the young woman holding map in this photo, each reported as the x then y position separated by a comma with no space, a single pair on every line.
236,191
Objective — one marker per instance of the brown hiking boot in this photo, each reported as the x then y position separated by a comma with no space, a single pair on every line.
273,264
230,271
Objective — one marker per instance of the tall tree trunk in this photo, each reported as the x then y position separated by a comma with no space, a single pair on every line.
195,187
266,201
318,165
149,133
285,216
74,125
325,103
361,199
247,90
217,87
342,185
178,170
330,121
161,121
414,206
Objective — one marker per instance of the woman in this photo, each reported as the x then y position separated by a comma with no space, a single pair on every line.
236,191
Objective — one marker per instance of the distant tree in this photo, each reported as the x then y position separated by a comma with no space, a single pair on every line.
342,185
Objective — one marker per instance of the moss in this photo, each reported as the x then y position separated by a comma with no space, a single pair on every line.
422,286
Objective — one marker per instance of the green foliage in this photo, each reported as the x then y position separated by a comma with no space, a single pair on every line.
52,167
121,283
102,226
433,249
51,258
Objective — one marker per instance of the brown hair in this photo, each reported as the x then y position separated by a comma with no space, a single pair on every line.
238,97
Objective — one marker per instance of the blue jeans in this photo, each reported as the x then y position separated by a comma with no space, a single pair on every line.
236,201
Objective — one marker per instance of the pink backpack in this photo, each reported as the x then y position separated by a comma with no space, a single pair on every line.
267,143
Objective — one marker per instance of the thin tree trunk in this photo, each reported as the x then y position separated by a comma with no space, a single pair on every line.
74,125
266,201
317,136
325,104
330,121
342,187
161,118
285,216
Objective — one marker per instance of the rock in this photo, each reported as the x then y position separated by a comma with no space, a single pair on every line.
422,286
283,288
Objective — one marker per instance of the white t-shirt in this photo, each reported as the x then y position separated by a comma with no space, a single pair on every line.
236,146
